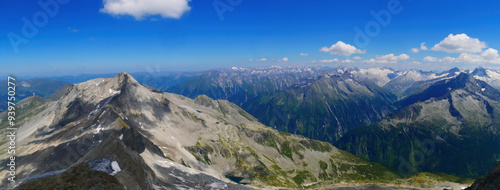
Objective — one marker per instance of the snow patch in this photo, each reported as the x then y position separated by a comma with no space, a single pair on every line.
113,92
218,186
99,128
102,114
177,177
25,84
483,89
116,168
121,137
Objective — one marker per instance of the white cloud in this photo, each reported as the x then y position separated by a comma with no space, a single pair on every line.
392,57
389,58
263,59
423,47
143,8
250,59
438,60
336,61
431,59
347,61
329,61
488,56
460,43
447,59
341,48
285,59
357,58
303,54
371,61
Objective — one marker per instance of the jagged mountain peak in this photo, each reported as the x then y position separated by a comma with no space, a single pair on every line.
124,76
454,69
479,71
443,88
452,72
462,80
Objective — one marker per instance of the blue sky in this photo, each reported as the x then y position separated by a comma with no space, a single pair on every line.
99,36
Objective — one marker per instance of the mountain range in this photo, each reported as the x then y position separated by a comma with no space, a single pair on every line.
409,121
28,87
450,127
137,137
330,102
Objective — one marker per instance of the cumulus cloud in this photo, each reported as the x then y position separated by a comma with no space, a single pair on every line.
341,48
335,61
303,54
431,59
263,59
389,58
422,47
392,57
329,61
285,59
439,60
347,61
143,8
357,58
488,56
460,43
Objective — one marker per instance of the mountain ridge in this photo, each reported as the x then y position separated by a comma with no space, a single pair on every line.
462,109
168,132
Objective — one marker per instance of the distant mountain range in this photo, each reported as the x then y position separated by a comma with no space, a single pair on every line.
410,121
29,87
316,103
451,127
327,103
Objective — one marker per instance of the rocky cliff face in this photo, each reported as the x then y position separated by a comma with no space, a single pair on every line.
165,140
